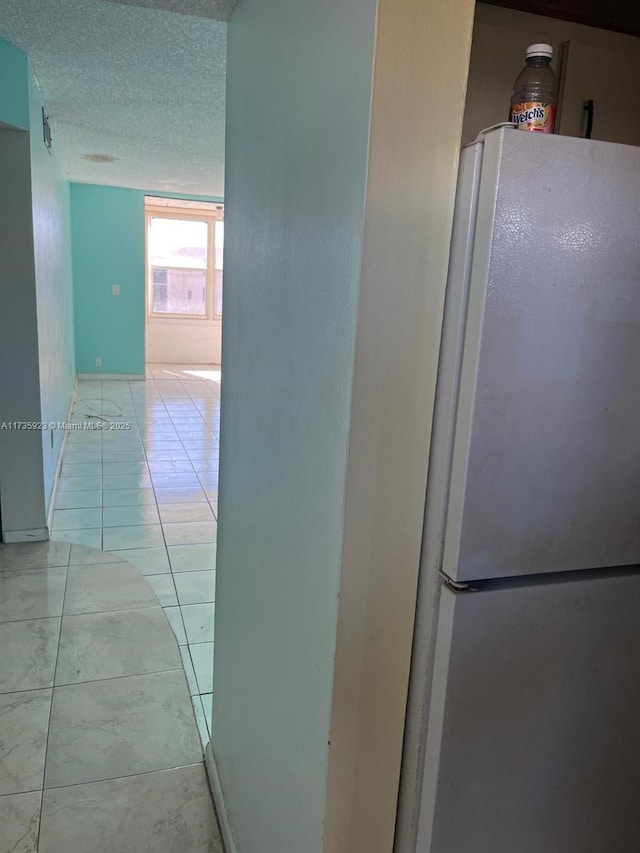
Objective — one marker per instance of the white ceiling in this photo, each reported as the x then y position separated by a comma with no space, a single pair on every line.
142,85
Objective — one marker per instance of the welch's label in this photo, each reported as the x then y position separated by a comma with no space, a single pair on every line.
534,115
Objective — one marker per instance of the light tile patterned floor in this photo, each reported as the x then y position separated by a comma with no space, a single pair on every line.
98,744
143,484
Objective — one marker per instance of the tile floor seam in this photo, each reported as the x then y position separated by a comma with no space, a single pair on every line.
115,778
114,677
55,669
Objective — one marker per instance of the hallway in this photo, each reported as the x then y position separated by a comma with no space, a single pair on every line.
144,486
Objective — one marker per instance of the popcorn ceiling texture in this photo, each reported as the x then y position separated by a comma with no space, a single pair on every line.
141,85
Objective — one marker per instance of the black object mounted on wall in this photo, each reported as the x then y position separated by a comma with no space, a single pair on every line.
589,110
46,129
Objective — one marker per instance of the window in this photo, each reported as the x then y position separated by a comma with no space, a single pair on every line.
185,245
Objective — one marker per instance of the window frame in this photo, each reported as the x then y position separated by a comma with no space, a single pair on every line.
207,215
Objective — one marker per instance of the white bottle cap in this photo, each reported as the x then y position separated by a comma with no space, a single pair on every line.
540,50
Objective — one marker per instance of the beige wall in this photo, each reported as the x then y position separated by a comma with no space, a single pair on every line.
418,96
602,65
610,78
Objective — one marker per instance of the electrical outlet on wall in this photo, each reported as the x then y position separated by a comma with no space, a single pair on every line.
98,362
115,289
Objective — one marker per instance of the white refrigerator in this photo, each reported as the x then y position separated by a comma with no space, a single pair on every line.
523,726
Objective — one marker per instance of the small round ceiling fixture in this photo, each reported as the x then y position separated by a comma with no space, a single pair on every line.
99,158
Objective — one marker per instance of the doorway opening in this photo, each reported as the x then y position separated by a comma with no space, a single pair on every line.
183,286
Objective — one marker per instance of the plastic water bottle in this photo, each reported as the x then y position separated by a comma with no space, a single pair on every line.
533,105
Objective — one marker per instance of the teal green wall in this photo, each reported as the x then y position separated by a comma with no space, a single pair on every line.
299,81
107,227
14,86
54,287
109,248
21,106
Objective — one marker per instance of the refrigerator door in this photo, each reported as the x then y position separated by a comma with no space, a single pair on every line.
545,471
533,743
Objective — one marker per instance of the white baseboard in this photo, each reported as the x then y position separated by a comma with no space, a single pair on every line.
228,840
111,377
63,445
39,534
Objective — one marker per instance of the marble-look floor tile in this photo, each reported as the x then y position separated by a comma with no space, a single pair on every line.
28,657
119,727
179,513
136,536
174,615
109,645
201,721
164,588
77,519
169,481
89,455
24,722
119,516
171,466
189,671
192,558
78,500
207,704
125,481
190,532
195,587
19,822
104,587
34,555
129,455
31,593
159,443
207,471
202,659
128,497
149,561
81,468
160,812
181,495
83,556
90,537
167,456
198,622
130,467
209,482
79,484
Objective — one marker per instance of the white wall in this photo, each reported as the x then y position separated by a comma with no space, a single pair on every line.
173,341
500,38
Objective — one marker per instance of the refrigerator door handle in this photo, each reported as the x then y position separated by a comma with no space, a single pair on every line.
457,586
483,133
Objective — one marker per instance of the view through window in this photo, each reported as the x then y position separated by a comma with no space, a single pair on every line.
185,261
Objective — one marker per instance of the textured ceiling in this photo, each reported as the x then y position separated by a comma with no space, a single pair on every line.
220,10
143,86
